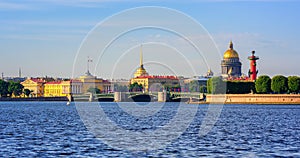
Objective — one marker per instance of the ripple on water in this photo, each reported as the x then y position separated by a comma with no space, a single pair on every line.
34,129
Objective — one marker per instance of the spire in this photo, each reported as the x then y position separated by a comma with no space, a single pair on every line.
88,65
231,45
20,74
141,57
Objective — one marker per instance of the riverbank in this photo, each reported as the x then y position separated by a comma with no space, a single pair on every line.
36,99
252,99
210,99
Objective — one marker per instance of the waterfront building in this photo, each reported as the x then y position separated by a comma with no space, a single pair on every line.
62,88
90,81
157,83
231,65
35,85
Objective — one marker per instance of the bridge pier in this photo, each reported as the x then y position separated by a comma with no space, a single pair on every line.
162,96
91,98
119,96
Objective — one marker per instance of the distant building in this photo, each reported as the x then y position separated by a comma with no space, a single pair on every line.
200,80
14,79
90,81
35,85
231,65
62,88
157,83
152,82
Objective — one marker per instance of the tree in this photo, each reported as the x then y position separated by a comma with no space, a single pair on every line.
15,88
120,88
263,84
294,84
203,89
216,85
240,87
3,88
279,84
26,92
94,90
135,87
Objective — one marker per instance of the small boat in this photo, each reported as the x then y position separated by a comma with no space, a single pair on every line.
68,103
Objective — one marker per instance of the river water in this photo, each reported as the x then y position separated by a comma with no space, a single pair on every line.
52,129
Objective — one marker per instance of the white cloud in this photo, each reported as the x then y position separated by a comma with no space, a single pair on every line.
13,6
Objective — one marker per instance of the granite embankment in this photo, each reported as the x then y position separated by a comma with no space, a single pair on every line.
35,99
254,98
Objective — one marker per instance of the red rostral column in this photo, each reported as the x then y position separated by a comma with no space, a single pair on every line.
253,72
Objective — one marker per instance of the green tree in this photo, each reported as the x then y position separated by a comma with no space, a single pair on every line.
3,88
94,90
15,88
26,92
279,84
120,88
240,87
294,84
263,84
203,89
216,85
135,87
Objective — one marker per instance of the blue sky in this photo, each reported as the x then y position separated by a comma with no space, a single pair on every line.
43,36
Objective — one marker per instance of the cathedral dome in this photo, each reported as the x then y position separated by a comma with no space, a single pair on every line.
230,53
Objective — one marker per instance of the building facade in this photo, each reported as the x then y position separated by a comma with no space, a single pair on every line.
157,83
90,81
35,85
62,88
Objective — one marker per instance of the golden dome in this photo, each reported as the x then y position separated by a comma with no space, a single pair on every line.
230,53
140,72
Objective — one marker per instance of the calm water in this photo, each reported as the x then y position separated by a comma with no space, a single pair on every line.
30,129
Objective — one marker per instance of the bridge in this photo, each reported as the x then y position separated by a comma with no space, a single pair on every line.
141,97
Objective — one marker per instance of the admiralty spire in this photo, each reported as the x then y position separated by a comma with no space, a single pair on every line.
141,71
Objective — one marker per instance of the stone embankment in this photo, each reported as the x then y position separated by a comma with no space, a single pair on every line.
254,98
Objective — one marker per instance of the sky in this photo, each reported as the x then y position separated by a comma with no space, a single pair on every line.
56,37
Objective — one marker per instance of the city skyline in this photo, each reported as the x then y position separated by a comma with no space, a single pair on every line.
43,37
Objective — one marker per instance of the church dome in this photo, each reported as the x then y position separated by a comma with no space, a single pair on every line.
230,53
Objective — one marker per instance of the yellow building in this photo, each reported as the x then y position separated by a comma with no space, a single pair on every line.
156,83
90,81
62,88
35,85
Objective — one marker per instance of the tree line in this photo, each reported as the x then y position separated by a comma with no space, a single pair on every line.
9,89
278,84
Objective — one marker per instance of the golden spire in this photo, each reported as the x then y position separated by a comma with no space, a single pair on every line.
141,71
141,56
231,45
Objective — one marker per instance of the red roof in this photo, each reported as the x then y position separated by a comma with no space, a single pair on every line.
37,80
159,77
54,82
74,80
